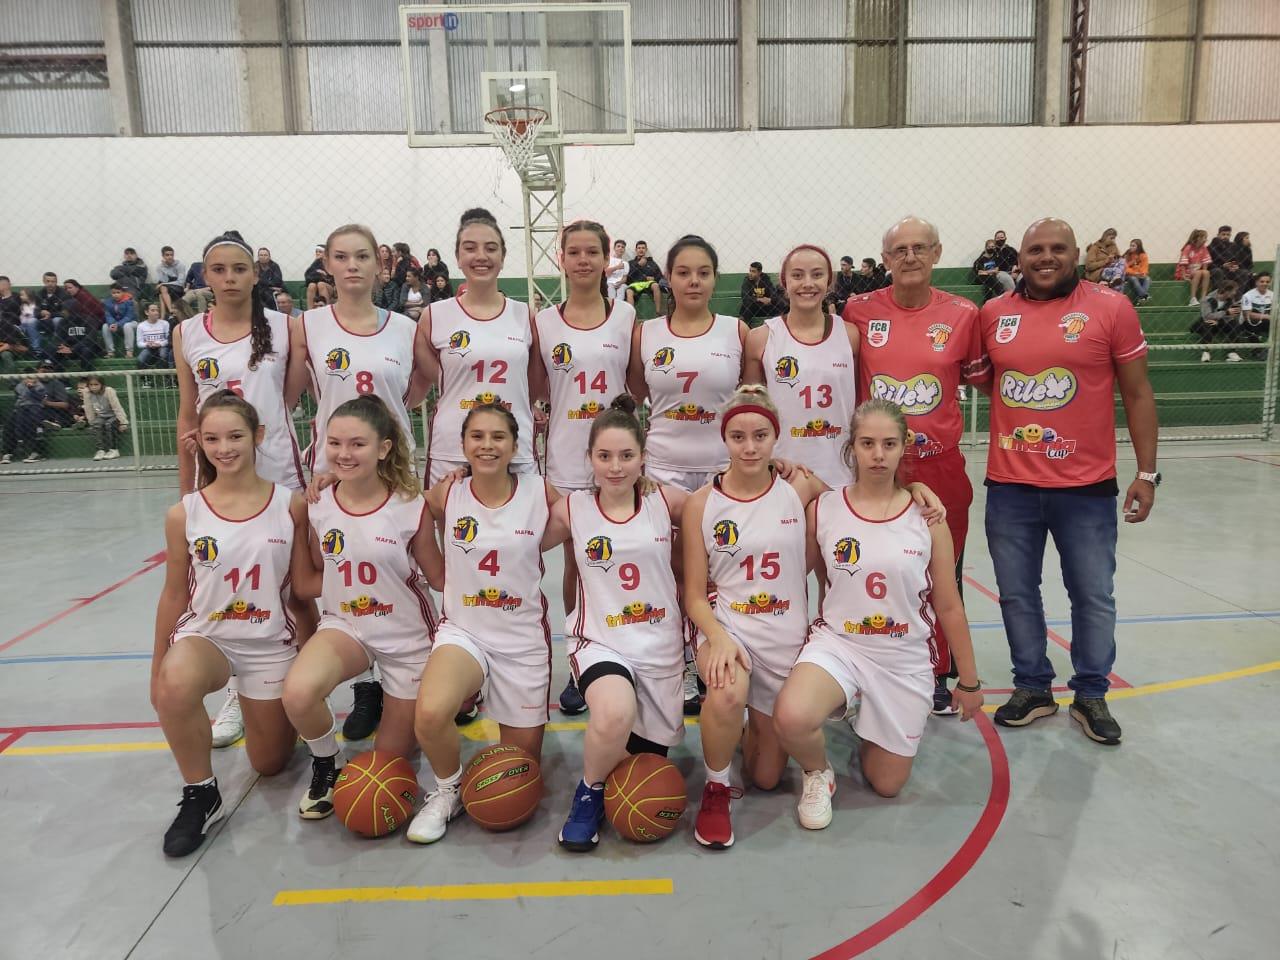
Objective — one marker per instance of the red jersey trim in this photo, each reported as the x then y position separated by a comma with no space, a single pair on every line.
844,495
246,519
472,316
383,315
367,513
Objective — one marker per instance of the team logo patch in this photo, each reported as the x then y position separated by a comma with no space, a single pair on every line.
817,427
588,411
482,399
460,343
1050,389
465,530
367,606
878,333
919,445
494,598
331,544
878,624
205,550
599,553
337,363
916,395
939,334
1073,325
1007,328
207,369
663,358
562,357
725,535
690,413
243,610
636,612
846,554
762,602
787,370
1033,438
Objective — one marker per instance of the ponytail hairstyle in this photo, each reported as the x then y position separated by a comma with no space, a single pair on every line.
750,398
690,241
396,468
259,330
206,472
620,415
592,227
482,216
865,409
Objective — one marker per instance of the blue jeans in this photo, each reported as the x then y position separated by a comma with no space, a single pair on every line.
1141,286
155,357
1084,531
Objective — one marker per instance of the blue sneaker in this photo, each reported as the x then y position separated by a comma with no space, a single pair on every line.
581,831
571,700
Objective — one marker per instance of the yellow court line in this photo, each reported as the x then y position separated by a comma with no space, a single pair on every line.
65,748
478,891
486,731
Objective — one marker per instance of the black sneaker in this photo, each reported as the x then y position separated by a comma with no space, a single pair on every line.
470,710
1025,706
317,802
1095,720
692,695
366,711
198,810
571,701
942,706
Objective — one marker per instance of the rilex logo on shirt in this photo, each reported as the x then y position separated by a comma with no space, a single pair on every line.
1050,389
787,370
939,334
465,531
916,395
1073,325
460,343
762,602
562,357
337,363
878,333
366,606
1007,328
846,554
599,553
636,612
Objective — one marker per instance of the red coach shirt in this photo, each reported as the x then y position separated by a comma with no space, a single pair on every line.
1053,397
917,358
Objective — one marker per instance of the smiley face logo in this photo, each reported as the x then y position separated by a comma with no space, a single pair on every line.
760,599
492,594
878,620
486,397
363,601
818,425
689,409
592,407
1033,433
635,608
240,606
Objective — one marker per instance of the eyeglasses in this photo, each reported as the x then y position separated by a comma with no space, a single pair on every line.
918,250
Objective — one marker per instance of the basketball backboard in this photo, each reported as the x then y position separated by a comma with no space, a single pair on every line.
571,59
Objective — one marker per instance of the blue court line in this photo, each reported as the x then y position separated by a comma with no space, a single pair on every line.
980,625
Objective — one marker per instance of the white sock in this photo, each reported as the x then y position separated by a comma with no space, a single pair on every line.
366,677
718,776
326,746
212,781
450,782
233,685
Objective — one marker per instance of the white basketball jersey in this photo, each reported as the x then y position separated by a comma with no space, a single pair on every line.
585,369
878,583
345,365
689,380
626,586
814,388
493,564
239,580
756,558
481,361
218,365
370,575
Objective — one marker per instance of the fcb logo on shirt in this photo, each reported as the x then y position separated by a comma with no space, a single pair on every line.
1007,328
337,363
562,357
207,369
878,333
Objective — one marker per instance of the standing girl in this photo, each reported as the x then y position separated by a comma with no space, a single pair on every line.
806,359
105,417
232,546
371,541
494,638
625,630
888,576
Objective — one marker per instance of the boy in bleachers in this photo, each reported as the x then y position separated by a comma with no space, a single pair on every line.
121,311
1255,310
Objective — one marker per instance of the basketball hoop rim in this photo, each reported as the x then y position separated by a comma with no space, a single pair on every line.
506,116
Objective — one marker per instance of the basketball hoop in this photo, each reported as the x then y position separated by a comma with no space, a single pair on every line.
516,130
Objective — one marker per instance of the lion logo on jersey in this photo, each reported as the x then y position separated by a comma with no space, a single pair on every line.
331,544
207,368
725,534
465,530
460,343
337,362
561,357
663,358
847,553
787,370
205,550
600,553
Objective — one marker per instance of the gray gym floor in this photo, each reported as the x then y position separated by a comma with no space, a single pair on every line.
1018,844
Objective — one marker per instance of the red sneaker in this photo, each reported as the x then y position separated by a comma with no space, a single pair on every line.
713,827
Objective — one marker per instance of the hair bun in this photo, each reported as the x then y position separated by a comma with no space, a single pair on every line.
478,215
232,235
624,402
754,388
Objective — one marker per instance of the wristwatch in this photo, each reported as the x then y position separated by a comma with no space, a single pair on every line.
1151,478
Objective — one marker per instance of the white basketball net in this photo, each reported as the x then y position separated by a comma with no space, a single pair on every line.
516,130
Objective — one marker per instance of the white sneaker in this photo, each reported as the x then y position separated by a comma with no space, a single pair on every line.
112,455
432,820
7,458
1234,357
814,807
1193,302
98,455
32,458
228,726
1204,356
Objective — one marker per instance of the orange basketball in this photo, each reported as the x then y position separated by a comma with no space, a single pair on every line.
501,787
375,793
644,797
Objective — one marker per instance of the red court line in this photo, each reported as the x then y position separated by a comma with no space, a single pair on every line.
954,870
10,740
152,562
73,727
1056,637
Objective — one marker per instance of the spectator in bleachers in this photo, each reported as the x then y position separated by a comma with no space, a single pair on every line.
319,281
386,294
759,297
413,295
1255,312
153,340
1007,260
79,336
842,288
386,259
27,318
105,416
441,288
1219,318
284,304
121,316
1100,254
59,406
10,306
270,279
1113,273
1220,247
404,262
644,277
1230,271
51,312
434,267
986,271
615,275
25,426
131,273
1193,266
196,295
1243,251
170,272
1137,272
13,343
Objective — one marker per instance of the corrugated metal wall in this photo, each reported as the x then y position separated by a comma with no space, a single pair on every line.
685,85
